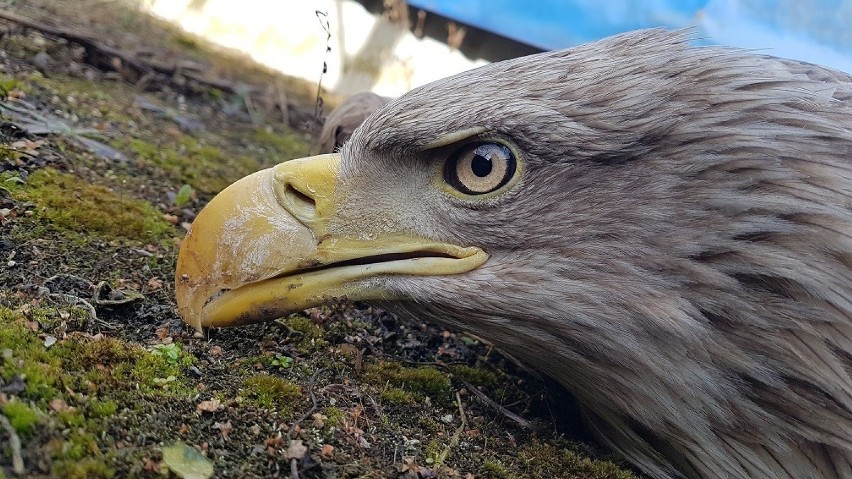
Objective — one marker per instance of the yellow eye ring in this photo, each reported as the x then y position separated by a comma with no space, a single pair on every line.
480,168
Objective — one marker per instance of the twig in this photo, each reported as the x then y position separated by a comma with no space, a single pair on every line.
310,411
14,444
294,462
327,27
487,400
78,301
294,468
454,441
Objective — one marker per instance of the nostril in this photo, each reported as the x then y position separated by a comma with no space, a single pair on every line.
304,200
303,207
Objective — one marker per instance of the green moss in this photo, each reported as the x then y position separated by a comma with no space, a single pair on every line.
71,417
86,468
334,415
496,470
272,391
22,417
546,460
398,397
424,380
102,409
205,167
307,335
475,375
158,372
30,360
72,204
285,145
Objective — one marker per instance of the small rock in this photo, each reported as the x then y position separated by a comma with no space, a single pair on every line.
49,341
42,60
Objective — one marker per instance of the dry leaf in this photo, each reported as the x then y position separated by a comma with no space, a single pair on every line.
319,419
59,404
224,428
155,283
162,332
327,450
212,405
296,450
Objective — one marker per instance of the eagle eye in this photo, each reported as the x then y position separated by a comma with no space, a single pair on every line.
480,168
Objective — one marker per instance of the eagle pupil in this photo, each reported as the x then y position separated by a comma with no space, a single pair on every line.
481,166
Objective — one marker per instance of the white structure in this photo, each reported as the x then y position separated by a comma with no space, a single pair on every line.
367,52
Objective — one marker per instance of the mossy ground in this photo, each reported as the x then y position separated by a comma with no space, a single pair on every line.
97,373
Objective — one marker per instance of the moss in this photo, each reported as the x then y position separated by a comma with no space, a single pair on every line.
496,470
398,397
35,365
86,468
205,167
74,205
101,409
542,460
285,145
424,380
272,391
157,372
475,375
333,415
308,336
22,417
71,418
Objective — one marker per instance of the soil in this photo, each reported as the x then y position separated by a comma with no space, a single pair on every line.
99,178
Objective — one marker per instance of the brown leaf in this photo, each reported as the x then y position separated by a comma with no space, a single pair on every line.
224,428
216,351
59,404
327,450
155,283
296,450
319,419
212,405
150,465
162,332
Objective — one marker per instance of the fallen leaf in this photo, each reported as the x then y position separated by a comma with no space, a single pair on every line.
212,405
186,462
59,404
162,332
296,450
150,465
224,428
327,450
216,351
319,419
155,283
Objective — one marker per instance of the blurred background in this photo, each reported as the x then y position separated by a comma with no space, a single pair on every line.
391,46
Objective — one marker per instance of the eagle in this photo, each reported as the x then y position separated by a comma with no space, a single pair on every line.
665,229
343,120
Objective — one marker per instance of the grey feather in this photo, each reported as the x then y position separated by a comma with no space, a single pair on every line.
677,252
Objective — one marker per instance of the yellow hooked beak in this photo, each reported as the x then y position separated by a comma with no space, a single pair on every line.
260,250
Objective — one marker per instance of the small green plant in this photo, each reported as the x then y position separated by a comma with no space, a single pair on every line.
282,362
183,195
7,84
170,352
